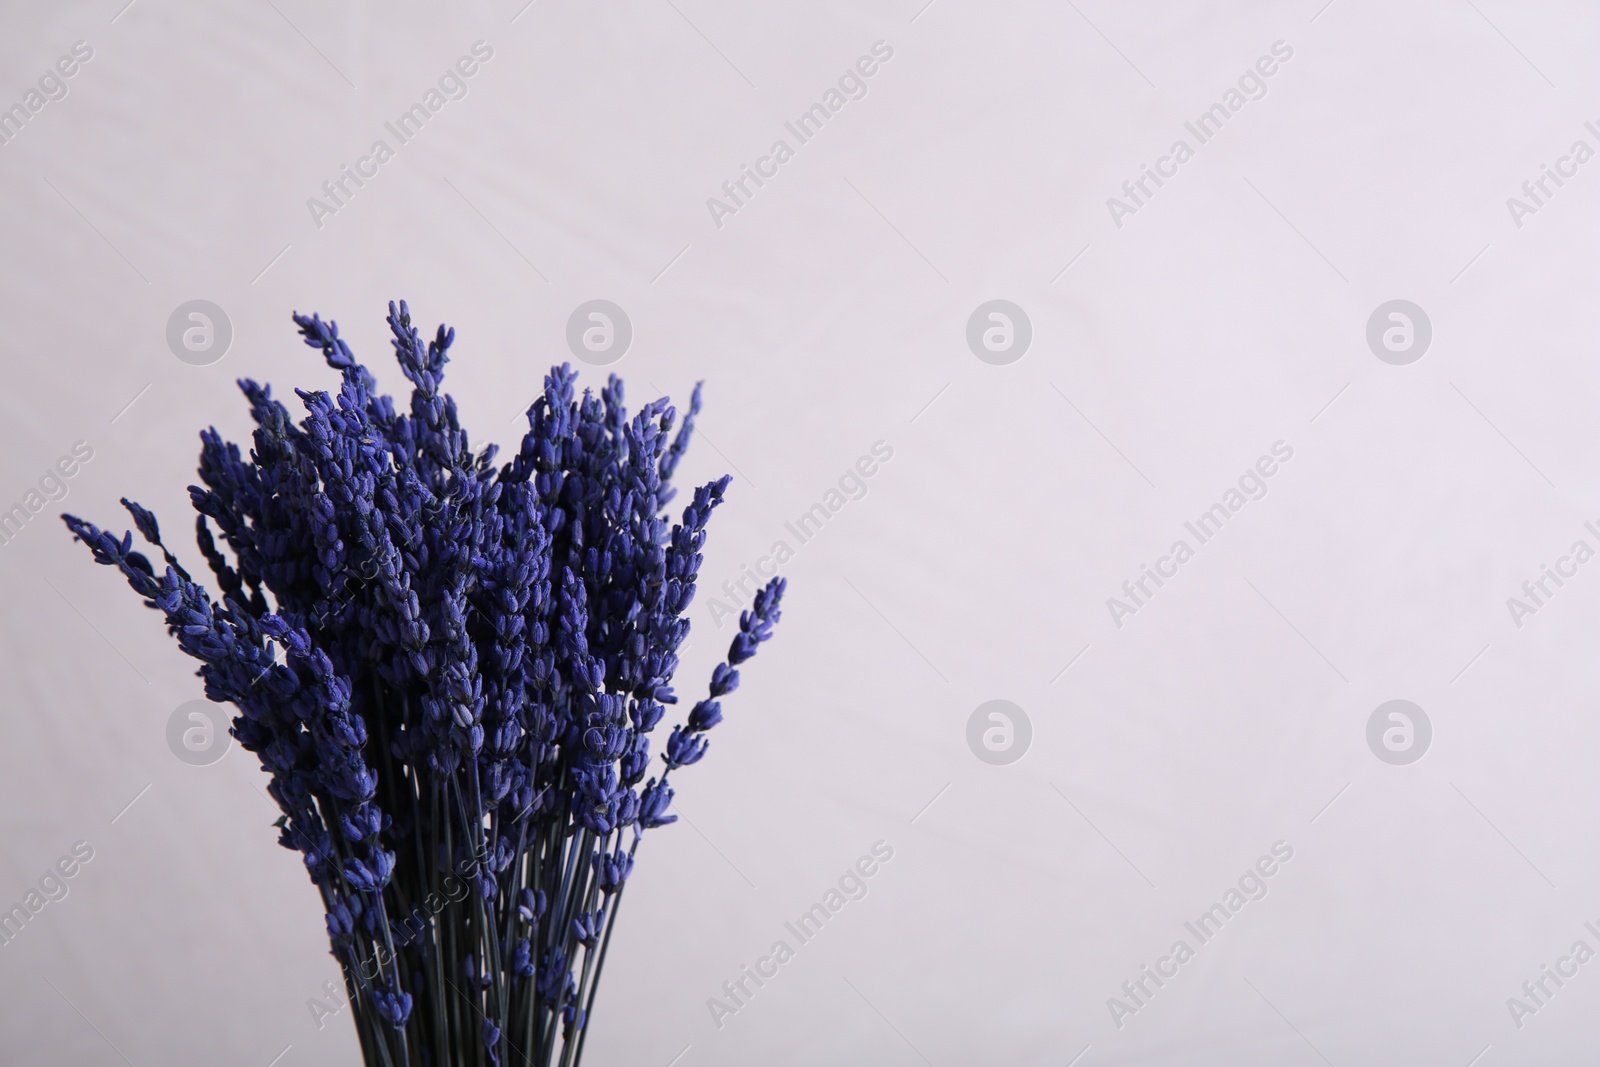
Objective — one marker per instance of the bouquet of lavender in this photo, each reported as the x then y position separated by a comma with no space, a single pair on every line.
473,659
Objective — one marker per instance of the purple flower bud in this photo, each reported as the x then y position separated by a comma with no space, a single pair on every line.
706,714
341,927
724,680
393,1007
684,747
522,959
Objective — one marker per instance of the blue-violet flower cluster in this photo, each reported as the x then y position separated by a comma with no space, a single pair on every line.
451,671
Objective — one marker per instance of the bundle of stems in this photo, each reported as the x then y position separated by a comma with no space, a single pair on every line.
473,658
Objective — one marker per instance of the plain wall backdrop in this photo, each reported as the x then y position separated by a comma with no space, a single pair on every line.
1175,340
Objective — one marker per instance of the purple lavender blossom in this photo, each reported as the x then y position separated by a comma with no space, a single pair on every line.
450,669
